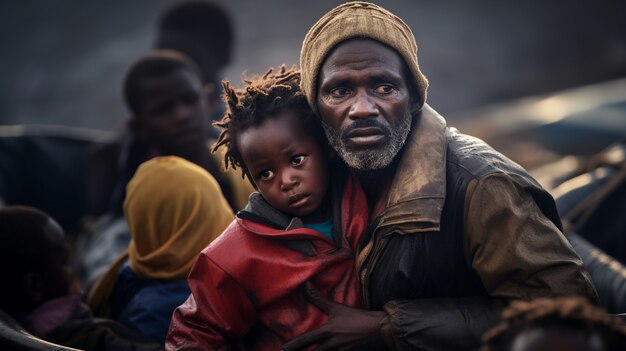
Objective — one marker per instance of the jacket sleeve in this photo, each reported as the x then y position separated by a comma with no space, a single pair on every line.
517,252
217,314
439,323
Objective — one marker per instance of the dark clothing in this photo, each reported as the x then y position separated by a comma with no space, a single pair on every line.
145,304
464,230
68,321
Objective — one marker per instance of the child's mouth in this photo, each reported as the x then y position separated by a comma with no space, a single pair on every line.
298,200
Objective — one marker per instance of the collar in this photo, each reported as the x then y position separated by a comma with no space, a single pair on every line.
417,193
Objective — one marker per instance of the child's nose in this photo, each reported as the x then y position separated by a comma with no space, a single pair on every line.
289,181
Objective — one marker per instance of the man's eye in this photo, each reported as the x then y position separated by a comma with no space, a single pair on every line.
339,92
266,175
297,160
384,89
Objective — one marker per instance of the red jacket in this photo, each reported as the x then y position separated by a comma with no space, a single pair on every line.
247,286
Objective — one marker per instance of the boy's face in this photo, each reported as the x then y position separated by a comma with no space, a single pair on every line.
174,113
56,272
288,166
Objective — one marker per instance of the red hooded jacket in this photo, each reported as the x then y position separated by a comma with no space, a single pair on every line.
247,286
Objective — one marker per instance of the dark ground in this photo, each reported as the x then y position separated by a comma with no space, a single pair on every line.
62,61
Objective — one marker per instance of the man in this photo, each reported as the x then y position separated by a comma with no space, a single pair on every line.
202,30
170,116
456,228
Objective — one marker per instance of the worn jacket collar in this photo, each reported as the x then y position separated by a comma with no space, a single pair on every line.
418,190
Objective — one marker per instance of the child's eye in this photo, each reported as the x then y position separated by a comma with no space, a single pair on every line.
266,175
297,160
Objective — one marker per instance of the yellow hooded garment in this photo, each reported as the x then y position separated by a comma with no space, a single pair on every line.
174,209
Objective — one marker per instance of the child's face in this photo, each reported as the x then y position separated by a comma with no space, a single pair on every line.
174,113
57,272
288,166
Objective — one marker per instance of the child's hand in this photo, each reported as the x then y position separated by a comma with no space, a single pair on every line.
347,328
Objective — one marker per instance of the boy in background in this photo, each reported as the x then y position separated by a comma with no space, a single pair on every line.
35,266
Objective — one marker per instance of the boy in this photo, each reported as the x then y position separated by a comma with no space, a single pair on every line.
247,285
170,116
174,209
36,292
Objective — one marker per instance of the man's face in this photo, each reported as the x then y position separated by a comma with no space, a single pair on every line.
364,102
174,113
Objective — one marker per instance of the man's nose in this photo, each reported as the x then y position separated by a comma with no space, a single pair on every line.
363,106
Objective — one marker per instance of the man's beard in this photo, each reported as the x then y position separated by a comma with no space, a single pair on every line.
374,157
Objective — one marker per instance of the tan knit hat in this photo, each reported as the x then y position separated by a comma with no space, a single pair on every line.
356,20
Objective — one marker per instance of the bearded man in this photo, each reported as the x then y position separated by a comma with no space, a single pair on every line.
457,229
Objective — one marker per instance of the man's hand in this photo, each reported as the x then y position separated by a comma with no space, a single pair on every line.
346,329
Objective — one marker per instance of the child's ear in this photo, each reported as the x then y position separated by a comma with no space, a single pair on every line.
32,286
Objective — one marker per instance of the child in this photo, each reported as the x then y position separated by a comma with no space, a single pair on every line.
174,209
36,290
246,287
569,323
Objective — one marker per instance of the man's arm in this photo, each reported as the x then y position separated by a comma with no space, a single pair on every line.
423,324
516,250
518,254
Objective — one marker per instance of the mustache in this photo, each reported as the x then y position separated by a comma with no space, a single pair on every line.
366,123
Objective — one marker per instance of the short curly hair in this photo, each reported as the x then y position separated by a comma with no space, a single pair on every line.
157,63
261,98
569,313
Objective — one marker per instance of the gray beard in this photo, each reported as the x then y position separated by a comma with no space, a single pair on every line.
373,158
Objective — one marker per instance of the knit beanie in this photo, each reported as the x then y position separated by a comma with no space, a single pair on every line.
357,20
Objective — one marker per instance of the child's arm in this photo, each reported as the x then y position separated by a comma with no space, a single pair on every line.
216,315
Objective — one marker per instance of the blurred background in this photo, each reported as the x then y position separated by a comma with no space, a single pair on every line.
63,61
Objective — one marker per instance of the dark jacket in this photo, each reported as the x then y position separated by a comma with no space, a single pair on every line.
464,230
146,304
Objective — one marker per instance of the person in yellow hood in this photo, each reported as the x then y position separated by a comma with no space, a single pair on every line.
174,209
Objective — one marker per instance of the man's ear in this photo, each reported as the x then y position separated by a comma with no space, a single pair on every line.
416,107
32,286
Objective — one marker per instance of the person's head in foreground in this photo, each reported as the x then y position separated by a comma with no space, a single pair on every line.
271,133
570,324
34,262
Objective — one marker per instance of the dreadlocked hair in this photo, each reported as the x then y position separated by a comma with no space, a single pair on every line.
261,98
565,313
